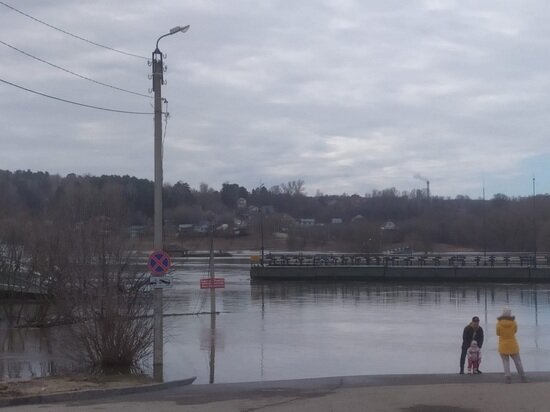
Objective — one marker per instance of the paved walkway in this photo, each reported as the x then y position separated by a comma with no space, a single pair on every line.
386,393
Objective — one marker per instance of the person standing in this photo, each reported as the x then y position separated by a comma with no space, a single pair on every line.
507,344
474,358
471,332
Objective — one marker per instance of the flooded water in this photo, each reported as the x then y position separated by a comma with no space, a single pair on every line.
290,330
30,352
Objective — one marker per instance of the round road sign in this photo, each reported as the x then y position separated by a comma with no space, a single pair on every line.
159,263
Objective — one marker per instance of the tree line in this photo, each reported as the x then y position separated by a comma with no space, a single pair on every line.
351,222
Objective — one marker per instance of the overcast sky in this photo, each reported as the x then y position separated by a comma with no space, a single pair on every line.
348,96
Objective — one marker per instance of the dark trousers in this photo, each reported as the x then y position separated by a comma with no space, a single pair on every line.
463,357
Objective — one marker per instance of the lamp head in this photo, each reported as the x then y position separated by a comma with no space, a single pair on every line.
179,29
174,30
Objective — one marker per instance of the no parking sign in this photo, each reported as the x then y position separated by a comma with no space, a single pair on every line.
159,263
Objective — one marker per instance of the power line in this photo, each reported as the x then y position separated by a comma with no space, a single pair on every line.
72,102
73,35
73,73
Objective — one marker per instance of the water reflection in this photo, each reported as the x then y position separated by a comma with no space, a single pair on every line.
27,352
22,354
21,348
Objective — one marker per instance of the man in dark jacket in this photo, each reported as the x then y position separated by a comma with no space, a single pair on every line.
471,332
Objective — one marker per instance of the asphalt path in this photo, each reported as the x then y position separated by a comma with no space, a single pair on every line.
383,393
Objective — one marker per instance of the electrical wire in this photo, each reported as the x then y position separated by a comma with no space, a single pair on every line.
73,35
71,72
72,102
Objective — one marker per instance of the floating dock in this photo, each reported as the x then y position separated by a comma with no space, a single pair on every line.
502,267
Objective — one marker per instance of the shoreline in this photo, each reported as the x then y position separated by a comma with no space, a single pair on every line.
224,396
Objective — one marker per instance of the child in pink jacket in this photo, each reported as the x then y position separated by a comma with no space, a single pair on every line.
474,357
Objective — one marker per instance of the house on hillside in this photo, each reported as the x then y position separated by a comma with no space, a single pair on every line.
136,231
389,225
185,228
202,227
241,203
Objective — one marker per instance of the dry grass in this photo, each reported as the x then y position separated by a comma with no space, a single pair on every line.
49,385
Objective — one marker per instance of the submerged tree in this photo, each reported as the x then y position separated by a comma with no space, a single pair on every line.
112,319
107,297
89,279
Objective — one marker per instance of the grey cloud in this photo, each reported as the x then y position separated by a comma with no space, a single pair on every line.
346,95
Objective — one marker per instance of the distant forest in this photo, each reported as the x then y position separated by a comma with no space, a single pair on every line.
369,223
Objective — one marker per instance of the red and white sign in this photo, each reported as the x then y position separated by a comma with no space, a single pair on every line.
159,263
212,283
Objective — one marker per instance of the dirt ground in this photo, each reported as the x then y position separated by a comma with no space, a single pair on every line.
54,384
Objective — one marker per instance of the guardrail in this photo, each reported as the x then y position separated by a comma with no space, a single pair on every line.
28,284
414,260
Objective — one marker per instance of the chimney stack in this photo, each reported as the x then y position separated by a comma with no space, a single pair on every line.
428,189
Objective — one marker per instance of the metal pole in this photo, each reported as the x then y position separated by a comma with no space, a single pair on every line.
211,270
534,227
158,350
212,308
483,225
262,232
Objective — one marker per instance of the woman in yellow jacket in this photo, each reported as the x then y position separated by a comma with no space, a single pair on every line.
508,345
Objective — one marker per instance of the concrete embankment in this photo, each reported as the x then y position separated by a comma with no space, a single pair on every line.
402,273
388,393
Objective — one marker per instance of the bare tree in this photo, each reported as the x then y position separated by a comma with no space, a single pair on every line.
88,279
293,188
107,298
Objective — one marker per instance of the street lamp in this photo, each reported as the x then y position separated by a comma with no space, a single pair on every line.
534,226
158,70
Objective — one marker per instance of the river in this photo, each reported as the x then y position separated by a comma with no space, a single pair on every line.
270,331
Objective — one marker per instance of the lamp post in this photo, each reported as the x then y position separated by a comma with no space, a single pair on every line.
158,69
483,223
534,226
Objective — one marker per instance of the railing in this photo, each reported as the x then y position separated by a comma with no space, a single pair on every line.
414,260
28,283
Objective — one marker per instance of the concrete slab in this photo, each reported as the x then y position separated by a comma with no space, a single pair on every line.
382,393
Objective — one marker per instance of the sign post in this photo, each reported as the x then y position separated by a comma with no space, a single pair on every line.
158,263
